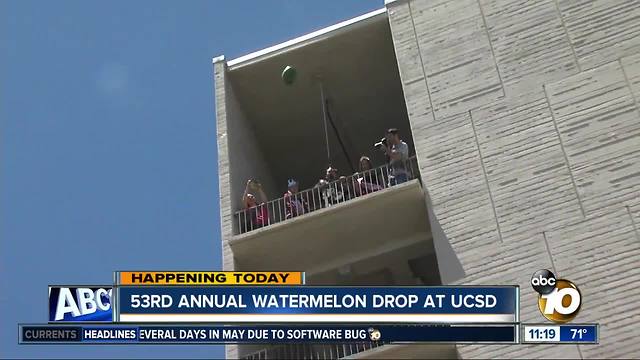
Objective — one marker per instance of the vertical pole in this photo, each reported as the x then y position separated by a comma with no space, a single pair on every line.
324,120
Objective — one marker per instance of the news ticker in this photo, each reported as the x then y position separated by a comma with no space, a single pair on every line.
245,334
183,334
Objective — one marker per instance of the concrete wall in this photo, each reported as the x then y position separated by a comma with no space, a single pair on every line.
526,124
244,158
226,209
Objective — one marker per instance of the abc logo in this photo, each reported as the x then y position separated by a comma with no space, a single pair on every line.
559,300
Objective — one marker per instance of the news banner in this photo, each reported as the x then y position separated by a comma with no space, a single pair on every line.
169,307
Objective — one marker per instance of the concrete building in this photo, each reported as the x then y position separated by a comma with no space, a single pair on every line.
524,120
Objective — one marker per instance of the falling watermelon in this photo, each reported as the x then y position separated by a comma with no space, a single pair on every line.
289,75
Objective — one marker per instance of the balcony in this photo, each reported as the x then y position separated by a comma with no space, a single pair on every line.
346,221
323,196
346,94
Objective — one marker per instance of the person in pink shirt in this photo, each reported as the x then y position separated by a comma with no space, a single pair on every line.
256,214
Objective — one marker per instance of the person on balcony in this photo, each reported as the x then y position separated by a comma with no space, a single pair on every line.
397,152
293,203
256,214
367,180
333,188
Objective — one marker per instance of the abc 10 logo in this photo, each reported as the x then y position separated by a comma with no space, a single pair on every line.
559,300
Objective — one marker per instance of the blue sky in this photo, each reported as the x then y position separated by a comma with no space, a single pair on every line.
107,144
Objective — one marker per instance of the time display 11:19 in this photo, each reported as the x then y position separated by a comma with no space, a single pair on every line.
541,333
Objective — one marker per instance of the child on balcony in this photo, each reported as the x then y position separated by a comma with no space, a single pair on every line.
294,204
333,188
367,180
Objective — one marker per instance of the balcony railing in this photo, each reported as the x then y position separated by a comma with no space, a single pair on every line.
310,351
325,194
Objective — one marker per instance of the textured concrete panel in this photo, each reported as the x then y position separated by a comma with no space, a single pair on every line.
600,129
530,44
556,159
601,255
631,69
527,172
223,165
511,264
405,43
602,31
634,211
451,166
418,103
456,54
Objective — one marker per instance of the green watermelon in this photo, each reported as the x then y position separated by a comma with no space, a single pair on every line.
289,75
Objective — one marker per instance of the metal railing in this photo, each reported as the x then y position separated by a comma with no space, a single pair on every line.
325,194
312,351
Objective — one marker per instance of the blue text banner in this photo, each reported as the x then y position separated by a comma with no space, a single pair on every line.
309,304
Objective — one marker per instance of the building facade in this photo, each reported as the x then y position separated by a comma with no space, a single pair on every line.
525,124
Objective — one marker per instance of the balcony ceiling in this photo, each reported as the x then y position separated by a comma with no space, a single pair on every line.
361,81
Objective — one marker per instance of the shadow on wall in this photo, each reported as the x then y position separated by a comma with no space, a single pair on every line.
449,266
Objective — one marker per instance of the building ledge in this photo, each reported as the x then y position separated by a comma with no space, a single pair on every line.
348,229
